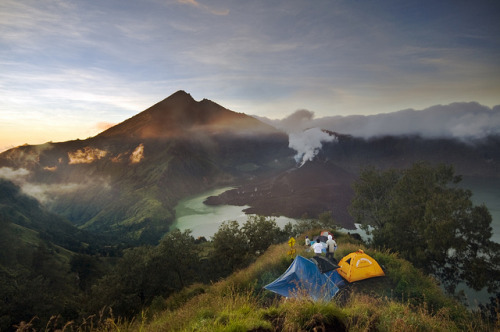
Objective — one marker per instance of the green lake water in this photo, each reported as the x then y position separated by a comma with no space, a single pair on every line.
486,191
204,220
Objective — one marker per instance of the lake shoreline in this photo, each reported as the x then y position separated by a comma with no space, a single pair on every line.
204,220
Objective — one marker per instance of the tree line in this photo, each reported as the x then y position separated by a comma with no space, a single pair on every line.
420,212
41,285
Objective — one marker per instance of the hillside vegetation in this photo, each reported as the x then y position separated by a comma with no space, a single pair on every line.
179,284
404,300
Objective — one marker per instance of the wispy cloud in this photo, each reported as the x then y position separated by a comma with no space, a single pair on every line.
206,8
45,193
32,27
87,62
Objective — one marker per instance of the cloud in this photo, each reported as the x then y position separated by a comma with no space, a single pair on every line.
137,155
44,192
86,155
206,8
295,122
15,175
69,62
456,120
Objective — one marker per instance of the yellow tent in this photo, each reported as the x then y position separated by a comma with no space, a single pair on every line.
358,266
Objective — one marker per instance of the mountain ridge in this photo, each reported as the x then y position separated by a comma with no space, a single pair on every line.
127,180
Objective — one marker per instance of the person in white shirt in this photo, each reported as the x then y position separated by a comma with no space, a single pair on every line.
317,247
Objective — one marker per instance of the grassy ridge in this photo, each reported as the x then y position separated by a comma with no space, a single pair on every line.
404,300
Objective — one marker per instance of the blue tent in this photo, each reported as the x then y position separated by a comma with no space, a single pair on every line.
304,278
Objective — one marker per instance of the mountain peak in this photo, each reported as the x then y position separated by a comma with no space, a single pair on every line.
179,115
181,94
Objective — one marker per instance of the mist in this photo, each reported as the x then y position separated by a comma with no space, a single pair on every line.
463,121
46,193
17,176
458,120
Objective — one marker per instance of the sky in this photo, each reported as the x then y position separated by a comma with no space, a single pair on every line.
71,68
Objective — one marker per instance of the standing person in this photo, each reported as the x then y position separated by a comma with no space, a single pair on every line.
331,246
318,247
308,242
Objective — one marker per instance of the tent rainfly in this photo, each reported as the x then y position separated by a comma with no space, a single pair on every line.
303,278
358,266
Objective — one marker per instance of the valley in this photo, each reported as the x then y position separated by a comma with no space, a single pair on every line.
126,182
79,215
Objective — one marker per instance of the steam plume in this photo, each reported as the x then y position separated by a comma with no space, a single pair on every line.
308,143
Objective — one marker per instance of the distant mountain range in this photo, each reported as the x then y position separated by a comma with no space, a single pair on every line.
126,181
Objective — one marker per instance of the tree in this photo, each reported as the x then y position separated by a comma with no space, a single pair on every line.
326,220
260,232
130,285
146,272
372,196
424,215
230,247
179,255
